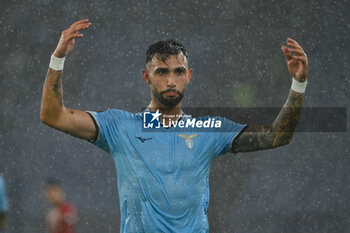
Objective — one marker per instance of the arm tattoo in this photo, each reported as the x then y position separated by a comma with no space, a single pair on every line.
254,137
56,84
57,88
279,133
287,120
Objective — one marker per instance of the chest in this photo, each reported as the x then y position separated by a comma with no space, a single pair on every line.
167,152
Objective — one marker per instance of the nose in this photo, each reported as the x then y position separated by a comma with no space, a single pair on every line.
171,80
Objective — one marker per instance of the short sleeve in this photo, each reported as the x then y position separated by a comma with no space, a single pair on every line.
3,199
106,123
227,133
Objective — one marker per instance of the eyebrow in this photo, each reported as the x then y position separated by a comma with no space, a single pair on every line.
161,69
166,68
180,69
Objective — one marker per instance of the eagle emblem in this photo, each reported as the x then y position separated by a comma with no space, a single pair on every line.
188,139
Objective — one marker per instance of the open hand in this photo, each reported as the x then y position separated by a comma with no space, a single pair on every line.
67,39
297,61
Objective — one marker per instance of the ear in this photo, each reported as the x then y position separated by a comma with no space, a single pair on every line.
189,74
145,76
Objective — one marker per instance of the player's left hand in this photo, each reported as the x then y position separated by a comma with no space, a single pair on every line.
297,61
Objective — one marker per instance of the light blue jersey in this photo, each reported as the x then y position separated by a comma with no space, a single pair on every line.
163,175
3,199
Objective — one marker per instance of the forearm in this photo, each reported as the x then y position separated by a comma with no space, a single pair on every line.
279,133
52,98
286,122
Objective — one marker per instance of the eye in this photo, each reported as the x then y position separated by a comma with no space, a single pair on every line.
180,71
162,71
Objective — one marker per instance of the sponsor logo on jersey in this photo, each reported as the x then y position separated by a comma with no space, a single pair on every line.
188,139
143,139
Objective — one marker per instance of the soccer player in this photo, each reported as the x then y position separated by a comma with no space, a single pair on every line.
3,203
62,217
163,176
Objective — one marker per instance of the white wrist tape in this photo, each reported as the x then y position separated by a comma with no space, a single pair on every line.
56,63
298,86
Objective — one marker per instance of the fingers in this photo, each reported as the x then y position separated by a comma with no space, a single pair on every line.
73,31
73,36
287,53
294,51
292,43
297,61
299,52
303,59
80,25
80,21
66,41
294,46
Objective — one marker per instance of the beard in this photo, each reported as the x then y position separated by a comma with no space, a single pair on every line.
168,101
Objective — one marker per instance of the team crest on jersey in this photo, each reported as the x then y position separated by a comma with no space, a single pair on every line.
188,139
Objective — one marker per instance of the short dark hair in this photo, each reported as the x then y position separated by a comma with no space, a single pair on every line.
53,182
164,49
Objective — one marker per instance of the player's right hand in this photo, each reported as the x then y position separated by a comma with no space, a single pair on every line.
66,43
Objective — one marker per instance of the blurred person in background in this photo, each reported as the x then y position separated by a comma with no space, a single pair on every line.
3,203
62,216
163,178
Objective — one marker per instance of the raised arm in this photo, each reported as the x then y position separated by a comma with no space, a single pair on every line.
53,112
280,132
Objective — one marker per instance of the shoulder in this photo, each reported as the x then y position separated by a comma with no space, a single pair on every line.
114,111
115,114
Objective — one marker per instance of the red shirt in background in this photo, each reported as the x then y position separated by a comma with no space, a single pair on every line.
62,218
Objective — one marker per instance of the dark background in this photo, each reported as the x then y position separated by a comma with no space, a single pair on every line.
234,50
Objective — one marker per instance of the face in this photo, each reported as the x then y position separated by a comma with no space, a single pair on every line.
168,80
54,194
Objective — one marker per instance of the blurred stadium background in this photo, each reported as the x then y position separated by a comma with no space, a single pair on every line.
234,49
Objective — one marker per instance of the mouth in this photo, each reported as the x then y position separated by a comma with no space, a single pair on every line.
169,97
171,93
